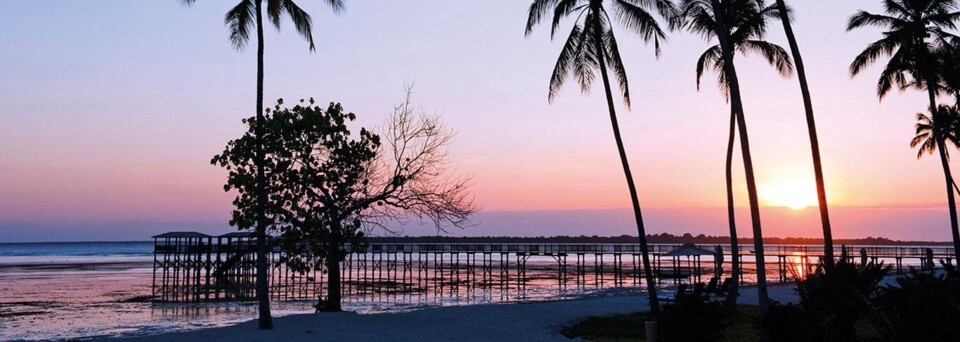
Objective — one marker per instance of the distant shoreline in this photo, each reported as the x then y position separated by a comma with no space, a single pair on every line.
664,238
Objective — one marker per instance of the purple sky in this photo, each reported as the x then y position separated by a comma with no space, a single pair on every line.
111,111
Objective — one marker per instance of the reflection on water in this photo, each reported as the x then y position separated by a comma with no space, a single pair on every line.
69,302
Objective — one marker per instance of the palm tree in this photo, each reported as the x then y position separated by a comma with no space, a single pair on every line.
592,47
240,20
949,119
737,25
811,131
913,31
746,36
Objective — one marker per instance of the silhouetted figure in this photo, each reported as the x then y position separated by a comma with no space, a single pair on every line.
863,258
718,262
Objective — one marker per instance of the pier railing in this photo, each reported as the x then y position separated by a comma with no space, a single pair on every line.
196,267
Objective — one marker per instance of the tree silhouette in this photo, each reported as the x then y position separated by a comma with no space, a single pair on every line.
327,187
240,20
592,47
746,36
811,132
948,123
730,22
912,31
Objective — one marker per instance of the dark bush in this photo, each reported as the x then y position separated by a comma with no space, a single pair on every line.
692,318
922,307
835,298
790,323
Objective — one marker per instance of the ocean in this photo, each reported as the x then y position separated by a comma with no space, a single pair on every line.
60,291
71,290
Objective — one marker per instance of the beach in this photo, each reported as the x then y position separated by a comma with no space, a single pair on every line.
486,322
61,291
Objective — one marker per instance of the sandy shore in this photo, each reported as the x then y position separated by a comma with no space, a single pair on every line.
492,322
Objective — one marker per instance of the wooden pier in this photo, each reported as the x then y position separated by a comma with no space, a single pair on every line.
194,267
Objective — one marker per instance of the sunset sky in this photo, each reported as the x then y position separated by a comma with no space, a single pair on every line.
111,110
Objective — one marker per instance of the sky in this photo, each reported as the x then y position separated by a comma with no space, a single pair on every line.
111,110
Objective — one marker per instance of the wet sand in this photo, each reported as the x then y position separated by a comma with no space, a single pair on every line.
541,321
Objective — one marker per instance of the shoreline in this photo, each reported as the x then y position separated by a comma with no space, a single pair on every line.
541,320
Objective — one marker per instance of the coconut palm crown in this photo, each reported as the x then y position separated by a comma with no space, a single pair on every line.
913,30
747,22
948,119
592,32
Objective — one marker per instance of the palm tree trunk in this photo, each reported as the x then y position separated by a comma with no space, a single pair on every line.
948,177
812,132
644,252
730,72
941,146
265,321
731,300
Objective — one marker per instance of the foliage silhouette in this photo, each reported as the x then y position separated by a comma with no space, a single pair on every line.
732,22
913,30
327,188
693,317
240,20
922,306
836,298
592,47
746,36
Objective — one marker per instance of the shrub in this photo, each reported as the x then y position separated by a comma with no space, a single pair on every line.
922,307
835,298
692,318
790,323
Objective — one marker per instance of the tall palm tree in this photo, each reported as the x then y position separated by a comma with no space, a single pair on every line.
733,22
746,35
240,20
913,31
811,131
592,47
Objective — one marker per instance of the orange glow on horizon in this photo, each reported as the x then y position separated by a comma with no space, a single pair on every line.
795,194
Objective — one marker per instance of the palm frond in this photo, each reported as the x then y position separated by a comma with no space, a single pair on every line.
588,57
865,19
240,20
895,74
615,63
563,9
301,20
776,55
710,58
538,10
638,20
566,61
336,5
875,50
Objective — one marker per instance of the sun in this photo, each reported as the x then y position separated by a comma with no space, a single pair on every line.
794,194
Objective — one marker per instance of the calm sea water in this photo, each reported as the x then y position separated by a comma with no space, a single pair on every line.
90,289
68,249
54,291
